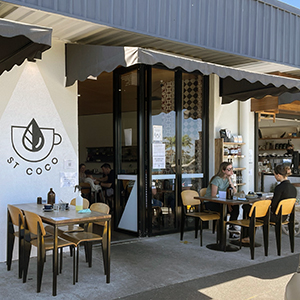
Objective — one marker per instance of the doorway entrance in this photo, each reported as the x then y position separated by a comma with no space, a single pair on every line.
147,122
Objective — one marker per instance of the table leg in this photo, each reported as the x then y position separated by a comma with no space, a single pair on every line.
55,261
108,237
221,246
223,227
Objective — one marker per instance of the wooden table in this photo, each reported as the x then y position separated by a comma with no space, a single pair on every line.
69,217
221,245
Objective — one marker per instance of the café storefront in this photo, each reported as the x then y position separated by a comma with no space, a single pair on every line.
165,143
167,108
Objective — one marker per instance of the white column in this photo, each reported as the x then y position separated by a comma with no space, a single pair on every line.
214,101
246,129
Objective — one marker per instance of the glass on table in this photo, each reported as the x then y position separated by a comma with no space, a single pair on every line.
56,207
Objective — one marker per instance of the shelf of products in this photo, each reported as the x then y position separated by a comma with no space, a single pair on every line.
229,151
270,146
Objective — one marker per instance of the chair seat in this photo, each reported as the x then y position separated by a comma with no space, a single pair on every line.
245,223
204,216
282,223
62,229
82,236
49,243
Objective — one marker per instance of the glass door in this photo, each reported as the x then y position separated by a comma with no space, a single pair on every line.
126,149
191,132
163,148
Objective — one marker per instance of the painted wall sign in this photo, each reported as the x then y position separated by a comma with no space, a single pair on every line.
33,144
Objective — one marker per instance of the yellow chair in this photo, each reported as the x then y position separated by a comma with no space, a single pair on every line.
188,200
15,218
259,209
85,190
88,238
285,207
43,243
86,203
202,192
103,208
70,228
100,207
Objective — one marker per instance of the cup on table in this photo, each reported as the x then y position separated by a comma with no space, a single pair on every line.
63,206
39,200
48,206
222,194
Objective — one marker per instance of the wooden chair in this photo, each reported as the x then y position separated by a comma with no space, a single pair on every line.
70,228
202,192
15,218
103,208
259,209
86,203
88,238
86,190
100,207
187,198
285,207
43,244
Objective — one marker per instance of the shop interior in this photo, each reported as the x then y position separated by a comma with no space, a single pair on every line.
95,120
278,140
95,123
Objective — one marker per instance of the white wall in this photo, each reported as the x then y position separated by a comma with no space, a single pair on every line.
37,91
238,118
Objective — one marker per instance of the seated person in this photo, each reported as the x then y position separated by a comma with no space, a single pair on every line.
108,181
154,200
220,182
82,175
95,188
156,206
284,190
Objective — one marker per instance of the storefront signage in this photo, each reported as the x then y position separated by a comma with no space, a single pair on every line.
33,144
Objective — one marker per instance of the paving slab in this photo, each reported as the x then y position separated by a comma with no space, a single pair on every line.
163,267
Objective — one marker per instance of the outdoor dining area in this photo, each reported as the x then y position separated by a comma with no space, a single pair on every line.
259,217
57,227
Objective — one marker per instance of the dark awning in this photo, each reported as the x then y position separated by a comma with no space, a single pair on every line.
85,60
19,41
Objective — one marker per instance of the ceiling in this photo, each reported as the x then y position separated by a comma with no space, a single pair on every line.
94,93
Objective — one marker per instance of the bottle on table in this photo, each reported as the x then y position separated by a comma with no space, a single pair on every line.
51,197
79,199
229,192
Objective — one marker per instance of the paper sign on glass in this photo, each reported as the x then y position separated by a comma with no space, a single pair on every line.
159,156
68,179
157,133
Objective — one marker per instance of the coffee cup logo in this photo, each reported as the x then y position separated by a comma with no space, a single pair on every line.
34,143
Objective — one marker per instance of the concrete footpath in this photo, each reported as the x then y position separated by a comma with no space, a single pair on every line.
163,267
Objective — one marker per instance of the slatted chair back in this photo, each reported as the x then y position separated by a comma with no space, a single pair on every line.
261,208
100,207
187,197
32,221
15,214
86,203
202,192
286,206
